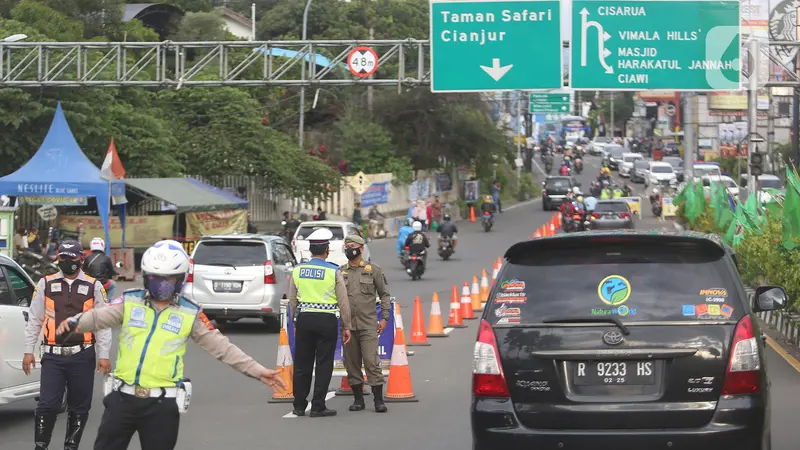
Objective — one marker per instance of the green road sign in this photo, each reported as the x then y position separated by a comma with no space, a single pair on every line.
689,45
549,103
495,45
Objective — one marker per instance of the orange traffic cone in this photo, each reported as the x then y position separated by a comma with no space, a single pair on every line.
399,385
285,368
466,303
418,337
557,217
345,389
538,233
475,296
552,228
456,320
495,271
471,213
398,324
435,328
499,262
484,288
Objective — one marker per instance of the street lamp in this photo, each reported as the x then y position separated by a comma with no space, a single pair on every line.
15,38
303,76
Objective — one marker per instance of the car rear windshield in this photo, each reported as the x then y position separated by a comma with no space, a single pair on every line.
230,253
617,207
639,283
338,232
641,164
557,183
701,171
616,152
661,169
775,184
632,158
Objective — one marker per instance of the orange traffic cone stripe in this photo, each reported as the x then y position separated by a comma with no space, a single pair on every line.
495,271
475,296
466,303
399,387
456,319
484,287
418,336
285,368
435,327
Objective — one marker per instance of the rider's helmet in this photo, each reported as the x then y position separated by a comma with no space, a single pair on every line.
576,191
566,158
655,191
164,267
579,199
487,198
446,217
417,226
97,244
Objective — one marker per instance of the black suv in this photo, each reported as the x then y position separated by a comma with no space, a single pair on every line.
554,191
623,340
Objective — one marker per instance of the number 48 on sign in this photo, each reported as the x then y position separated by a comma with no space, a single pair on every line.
362,61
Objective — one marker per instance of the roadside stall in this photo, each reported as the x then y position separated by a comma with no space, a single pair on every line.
61,174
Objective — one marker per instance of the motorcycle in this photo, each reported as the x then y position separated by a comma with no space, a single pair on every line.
416,265
575,223
35,265
548,167
405,257
445,248
487,221
578,165
655,204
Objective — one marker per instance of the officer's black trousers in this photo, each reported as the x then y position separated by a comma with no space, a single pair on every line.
156,420
316,335
73,373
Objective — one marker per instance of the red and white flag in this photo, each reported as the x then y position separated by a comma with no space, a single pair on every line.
112,166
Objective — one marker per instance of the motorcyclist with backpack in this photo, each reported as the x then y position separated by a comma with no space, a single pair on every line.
98,265
449,230
417,242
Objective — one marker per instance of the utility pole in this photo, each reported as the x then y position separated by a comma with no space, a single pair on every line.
796,114
752,109
771,127
519,137
302,124
689,140
370,93
613,128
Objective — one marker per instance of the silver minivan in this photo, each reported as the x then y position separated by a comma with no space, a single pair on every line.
240,275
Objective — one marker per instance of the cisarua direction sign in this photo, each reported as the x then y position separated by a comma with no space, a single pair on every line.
495,45
655,44
689,45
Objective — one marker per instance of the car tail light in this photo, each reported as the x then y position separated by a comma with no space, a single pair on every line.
625,216
744,367
487,373
596,215
190,275
269,273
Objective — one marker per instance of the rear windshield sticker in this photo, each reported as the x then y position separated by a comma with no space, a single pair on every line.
505,311
614,290
701,310
508,320
713,310
714,295
511,297
513,285
689,310
706,311
726,310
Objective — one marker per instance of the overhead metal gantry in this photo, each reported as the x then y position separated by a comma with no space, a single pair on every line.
224,63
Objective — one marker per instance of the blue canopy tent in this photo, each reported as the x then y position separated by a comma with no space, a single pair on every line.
60,169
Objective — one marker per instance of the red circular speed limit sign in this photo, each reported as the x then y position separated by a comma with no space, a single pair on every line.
362,61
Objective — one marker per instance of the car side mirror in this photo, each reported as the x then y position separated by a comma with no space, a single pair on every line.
770,298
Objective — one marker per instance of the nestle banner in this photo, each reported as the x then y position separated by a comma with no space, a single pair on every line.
376,194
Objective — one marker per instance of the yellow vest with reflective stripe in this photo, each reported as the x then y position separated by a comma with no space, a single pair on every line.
604,195
617,193
151,344
316,286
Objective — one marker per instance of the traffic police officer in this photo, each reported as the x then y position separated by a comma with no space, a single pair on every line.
364,282
68,362
148,389
318,297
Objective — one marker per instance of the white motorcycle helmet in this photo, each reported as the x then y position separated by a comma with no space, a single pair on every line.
97,244
164,267
576,191
417,226
655,191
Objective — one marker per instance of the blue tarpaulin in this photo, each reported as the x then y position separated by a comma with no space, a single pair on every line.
60,169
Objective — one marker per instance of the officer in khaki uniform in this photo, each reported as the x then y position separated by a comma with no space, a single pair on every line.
364,282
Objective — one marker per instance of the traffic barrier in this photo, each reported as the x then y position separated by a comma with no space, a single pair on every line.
475,296
484,288
456,320
471,213
285,368
418,336
466,303
399,387
435,328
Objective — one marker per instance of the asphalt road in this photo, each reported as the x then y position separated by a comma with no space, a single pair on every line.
231,411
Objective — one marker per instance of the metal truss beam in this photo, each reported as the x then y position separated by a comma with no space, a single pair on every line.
225,63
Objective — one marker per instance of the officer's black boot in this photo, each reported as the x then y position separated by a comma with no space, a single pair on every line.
377,392
358,398
43,430
75,425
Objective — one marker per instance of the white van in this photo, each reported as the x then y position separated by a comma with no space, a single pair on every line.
300,245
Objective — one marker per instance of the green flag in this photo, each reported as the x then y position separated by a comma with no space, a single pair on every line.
695,201
739,227
750,210
791,211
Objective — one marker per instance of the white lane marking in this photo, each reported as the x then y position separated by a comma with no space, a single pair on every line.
448,330
329,396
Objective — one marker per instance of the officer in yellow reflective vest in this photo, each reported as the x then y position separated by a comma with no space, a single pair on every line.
318,297
148,389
